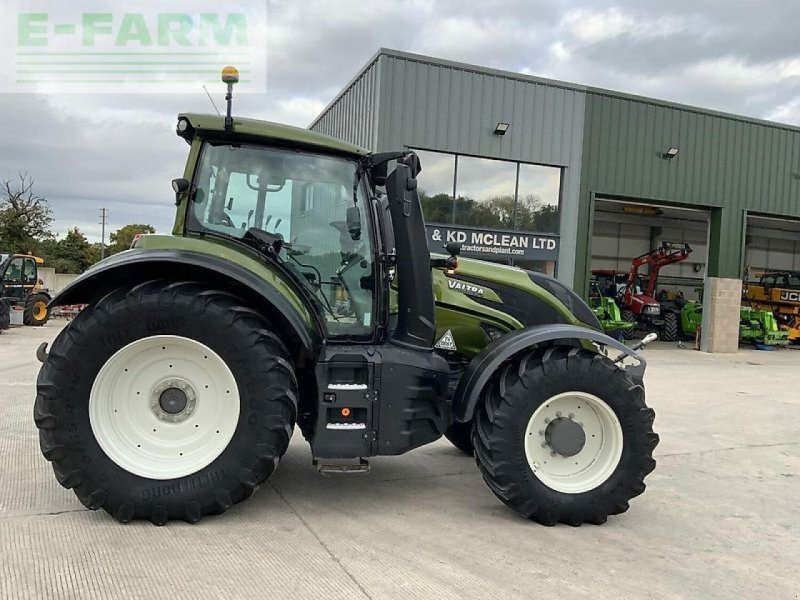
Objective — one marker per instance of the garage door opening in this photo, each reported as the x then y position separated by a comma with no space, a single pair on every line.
772,270
668,248
623,231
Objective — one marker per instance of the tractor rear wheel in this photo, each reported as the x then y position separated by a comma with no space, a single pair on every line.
627,315
36,312
165,401
564,436
670,330
460,435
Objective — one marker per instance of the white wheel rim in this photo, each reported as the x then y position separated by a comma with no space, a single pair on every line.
134,430
594,463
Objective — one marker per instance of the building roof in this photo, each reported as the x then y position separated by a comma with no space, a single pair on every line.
430,60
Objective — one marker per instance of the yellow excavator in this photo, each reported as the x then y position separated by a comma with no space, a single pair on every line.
22,290
779,292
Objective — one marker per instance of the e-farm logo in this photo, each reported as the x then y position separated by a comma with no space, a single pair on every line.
168,46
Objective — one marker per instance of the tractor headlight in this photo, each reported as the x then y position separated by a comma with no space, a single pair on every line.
492,332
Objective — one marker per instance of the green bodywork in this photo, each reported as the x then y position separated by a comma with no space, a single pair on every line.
755,326
608,313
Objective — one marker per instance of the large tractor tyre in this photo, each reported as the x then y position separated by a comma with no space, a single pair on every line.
165,401
460,435
36,312
671,329
627,315
564,436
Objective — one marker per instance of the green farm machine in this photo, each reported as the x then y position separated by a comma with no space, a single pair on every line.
609,314
758,327
297,289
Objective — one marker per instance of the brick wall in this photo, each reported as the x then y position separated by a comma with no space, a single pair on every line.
721,300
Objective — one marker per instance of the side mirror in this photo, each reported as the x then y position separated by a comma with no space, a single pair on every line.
181,186
354,223
453,248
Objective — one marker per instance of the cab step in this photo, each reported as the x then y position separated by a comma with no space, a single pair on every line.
328,465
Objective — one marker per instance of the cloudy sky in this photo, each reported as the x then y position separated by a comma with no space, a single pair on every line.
120,151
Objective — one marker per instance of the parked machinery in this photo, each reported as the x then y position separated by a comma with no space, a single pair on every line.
757,327
638,298
779,293
608,314
175,392
21,288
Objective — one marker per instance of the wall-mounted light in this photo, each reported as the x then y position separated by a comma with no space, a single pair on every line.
698,267
645,211
501,128
671,153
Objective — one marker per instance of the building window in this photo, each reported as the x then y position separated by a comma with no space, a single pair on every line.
485,192
436,185
537,199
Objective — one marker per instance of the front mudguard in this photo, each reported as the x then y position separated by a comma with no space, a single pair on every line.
483,366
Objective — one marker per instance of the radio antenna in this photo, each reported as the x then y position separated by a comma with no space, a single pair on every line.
212,100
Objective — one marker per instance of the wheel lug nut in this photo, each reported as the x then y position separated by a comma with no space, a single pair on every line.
541,432
544,444
571,415
558,414
547,420
552,453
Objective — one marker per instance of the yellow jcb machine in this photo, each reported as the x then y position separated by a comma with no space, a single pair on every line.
21,290
779,292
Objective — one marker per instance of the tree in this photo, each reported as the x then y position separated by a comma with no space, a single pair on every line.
72,254
24,216
530,213
122,238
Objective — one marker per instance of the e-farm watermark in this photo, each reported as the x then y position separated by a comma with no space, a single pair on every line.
165,46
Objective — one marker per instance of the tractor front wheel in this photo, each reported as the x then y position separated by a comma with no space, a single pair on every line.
627,315
36,312
165,401
670,330
564,436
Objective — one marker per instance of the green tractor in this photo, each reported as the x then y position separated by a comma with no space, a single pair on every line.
297,289
609,315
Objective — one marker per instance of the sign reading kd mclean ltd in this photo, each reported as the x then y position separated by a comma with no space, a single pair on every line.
480,242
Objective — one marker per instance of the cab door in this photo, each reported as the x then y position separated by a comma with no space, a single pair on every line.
19,278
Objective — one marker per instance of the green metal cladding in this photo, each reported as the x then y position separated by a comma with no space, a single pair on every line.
725,163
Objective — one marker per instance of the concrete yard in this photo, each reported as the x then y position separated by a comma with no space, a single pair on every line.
719,518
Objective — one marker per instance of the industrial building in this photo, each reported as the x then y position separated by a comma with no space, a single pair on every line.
565,178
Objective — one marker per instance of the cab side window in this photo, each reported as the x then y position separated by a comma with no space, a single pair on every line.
14,272
29,271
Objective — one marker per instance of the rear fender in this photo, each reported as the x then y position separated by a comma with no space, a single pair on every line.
137,266
483,366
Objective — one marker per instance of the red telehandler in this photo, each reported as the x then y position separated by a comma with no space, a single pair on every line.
639,303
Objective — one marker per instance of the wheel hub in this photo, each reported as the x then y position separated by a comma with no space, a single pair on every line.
173,400
565,436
